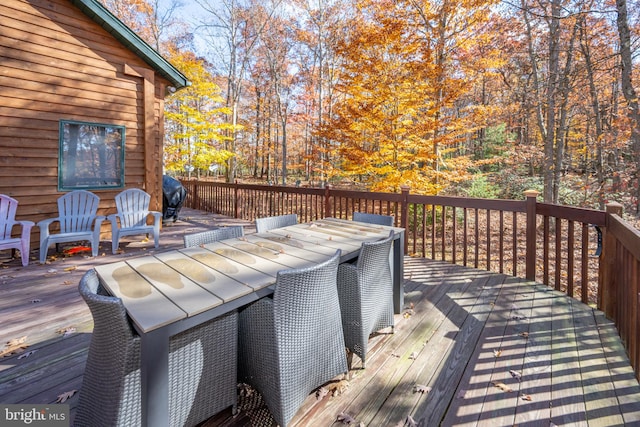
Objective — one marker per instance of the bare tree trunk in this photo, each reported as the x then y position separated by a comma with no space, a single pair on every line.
258,130
595,106
628,89
563,125
552,86
536,95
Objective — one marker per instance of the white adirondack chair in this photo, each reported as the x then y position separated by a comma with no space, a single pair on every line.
8,207
131,219
77,215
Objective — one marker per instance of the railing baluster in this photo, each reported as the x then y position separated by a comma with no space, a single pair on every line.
433,231
584,264
501,242
424,229
558,260
545,250
454,237
514,245
488,246
570,256
465,241
443,233
477,237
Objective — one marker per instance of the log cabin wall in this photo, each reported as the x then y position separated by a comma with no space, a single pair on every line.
57,63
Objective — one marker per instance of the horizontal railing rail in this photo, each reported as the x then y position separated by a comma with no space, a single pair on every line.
567,248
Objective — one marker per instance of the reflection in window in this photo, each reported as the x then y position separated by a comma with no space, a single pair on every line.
91,156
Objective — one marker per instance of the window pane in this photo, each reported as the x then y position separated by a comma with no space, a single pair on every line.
91,156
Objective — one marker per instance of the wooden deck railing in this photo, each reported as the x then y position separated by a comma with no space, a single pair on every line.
589,254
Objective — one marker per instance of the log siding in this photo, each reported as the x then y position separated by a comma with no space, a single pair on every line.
58,63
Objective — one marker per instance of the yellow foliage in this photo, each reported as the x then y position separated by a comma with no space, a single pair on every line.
196,127
396,121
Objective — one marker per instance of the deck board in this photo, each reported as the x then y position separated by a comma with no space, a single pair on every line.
460,330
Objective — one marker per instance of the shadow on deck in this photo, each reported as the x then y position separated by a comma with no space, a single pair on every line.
470,348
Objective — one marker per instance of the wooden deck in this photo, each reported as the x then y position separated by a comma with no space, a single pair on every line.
470,348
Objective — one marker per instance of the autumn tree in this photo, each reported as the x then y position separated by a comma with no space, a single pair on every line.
320,27
195,132
403,114
233,31
155,21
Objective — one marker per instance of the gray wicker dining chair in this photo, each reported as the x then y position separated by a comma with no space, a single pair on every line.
292,344
210,236
365,291
271,222
202,367
373,218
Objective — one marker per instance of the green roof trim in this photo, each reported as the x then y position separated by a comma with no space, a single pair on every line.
101,15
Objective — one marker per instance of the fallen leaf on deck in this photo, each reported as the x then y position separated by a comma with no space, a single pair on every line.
27,354
497,353
407,314
17,341
336,389
515,374
66,331
502,386
345,418
71,268
66,395
330,237
321,393
419,388
527,397
525,334
14,346
145,240
67,282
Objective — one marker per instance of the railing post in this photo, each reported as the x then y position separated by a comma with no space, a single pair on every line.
196,199
327,201
530,256
607,283
404,214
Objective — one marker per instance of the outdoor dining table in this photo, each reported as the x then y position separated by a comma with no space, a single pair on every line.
170,292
